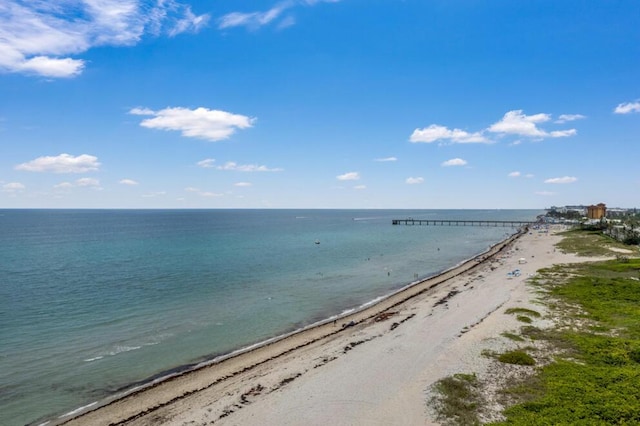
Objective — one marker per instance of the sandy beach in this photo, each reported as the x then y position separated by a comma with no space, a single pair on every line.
374,367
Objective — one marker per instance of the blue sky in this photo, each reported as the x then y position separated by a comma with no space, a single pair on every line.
319,104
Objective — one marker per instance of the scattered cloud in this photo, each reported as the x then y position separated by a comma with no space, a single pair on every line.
627,108
279,15
518,174
414,180
517,123
386,159
454,162
207,194
436,132
63,185
154,194
360,187
82,182
213,125
13,187
40,37
130,182
243,184
233,166
206,163
563,133
253,20
349,176
87,182
569,117
565,179
210,194
512,123
63,163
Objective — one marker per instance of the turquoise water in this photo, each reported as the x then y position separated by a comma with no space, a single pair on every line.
93,302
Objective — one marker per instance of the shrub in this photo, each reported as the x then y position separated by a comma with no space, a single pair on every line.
516,357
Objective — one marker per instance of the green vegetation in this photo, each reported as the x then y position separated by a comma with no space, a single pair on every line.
458,400
595,380
517,357
594,375
588,243
523,311
513,336
525,319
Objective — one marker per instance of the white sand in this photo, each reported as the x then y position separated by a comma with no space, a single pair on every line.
382,378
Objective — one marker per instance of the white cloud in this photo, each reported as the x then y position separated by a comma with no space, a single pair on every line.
385,160
517,123
349,176
87,182
233,166
154,194
569,117
518,174
210,194
414,180
436,132
255,20
206,163
128,182
40,37
63,185
202,193
13,187
252,20
242,184
563,133
565,179
63,163
360,187
202,123
82,182
627,108
454,162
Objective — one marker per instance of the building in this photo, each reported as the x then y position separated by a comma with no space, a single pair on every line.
597,212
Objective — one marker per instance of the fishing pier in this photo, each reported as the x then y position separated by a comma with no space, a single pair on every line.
445,222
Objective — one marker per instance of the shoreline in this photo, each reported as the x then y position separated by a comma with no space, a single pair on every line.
168,389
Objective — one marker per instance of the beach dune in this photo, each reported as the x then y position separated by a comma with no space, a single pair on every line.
373,367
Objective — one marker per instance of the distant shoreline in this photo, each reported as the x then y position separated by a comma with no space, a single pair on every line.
181,381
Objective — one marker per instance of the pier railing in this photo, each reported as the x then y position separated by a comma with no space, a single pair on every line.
448,222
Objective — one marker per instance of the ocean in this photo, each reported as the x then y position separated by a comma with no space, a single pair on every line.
95,302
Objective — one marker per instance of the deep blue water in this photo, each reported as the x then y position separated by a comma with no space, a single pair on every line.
94,301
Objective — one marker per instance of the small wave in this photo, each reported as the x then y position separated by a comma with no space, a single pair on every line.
77,410
95,358
122,349
346,312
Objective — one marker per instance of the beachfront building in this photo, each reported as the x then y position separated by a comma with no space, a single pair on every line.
597,212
